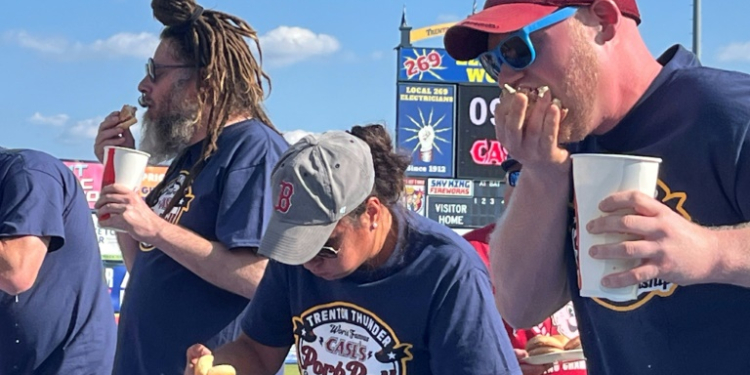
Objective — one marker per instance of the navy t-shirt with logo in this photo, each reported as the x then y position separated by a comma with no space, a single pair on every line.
167,307
696,119
65,323
429,310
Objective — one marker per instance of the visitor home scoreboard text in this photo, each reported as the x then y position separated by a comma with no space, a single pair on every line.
445,121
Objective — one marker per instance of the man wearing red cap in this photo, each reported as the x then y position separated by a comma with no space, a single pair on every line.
577,77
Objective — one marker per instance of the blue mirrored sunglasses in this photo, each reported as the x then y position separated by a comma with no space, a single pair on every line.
516,50
512,178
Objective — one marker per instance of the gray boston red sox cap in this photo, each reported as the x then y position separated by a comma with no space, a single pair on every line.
319,180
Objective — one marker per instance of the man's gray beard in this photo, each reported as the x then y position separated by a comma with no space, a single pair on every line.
166,136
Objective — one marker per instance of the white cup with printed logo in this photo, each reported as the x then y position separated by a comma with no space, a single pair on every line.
123,166
595,177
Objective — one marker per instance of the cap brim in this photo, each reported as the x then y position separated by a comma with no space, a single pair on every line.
294,244
467,39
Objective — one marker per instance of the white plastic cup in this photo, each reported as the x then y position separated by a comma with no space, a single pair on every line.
595,177
124,166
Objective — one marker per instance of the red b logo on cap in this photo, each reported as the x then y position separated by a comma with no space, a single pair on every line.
285,197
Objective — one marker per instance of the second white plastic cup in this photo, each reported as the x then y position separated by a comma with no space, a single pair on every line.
596,176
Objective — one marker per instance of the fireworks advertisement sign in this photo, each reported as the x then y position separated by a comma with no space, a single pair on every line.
450,187
435,65
478,153
425,128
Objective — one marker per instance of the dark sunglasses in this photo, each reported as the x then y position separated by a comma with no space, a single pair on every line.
512,177
516,50
328,252
151,67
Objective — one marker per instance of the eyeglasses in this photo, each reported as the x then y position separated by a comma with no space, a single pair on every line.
328,252
516,50
151,67
512,177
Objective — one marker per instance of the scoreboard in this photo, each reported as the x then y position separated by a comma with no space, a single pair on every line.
478,153
445,122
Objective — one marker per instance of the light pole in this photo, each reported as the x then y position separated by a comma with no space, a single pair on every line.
697,28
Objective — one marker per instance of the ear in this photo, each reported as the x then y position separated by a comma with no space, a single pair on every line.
373,210
608,17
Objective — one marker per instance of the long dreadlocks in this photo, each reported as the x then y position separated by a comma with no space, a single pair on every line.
230,79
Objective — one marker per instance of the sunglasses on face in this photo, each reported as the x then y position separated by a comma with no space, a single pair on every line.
516,50
512,178
151,67
328,252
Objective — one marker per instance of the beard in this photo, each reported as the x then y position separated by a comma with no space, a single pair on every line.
579,87
167,133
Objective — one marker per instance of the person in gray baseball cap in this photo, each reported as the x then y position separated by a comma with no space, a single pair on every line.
358,283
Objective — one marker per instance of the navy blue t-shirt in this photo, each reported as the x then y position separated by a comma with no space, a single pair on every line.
430,310
167,308
65,323
696,119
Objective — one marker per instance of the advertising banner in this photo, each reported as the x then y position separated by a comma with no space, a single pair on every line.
425,128
478,153
435,65
89,174
108,246
450,187
116,276
414,197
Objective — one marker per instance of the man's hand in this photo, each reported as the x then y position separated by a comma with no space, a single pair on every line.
119,207
669,246
527,369
110,134
531,139
194,353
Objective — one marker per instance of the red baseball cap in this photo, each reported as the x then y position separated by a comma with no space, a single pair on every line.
468,39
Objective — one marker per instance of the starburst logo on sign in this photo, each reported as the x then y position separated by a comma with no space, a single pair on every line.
426,135
424,63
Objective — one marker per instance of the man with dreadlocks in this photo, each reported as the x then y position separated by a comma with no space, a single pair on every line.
191,246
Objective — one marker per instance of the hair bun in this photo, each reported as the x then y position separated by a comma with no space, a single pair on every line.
175,12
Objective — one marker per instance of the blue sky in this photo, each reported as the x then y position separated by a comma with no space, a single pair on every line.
67,64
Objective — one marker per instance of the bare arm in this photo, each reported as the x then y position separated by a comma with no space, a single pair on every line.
251,357
246,355
238,270
527,247
129,248
20,260
734,263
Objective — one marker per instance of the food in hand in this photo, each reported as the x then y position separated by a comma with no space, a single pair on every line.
573,344
222,370
127,116
533,94
539,345
205,366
